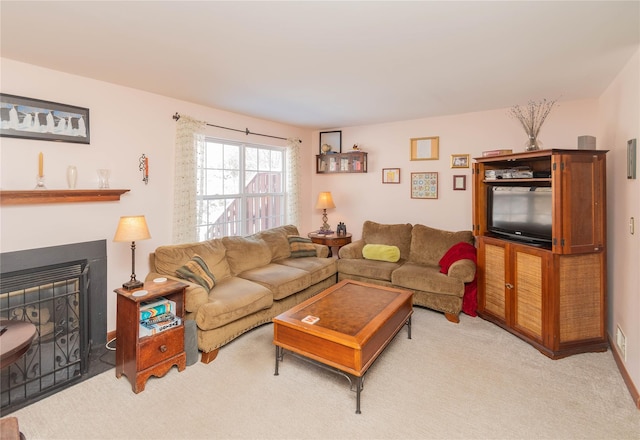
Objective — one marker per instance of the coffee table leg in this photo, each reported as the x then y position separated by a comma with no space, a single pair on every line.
409,327
358,390
279,356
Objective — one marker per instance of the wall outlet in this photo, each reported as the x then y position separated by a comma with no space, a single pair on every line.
621,342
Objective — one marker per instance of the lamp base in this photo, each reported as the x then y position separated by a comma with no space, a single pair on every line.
133,284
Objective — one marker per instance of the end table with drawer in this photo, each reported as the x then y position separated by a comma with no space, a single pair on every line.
331,240
137,357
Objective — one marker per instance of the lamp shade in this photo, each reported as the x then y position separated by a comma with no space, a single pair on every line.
132,228
325,201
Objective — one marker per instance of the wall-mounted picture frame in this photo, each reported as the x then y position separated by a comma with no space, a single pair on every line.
424,185
459,161
631,159
28,118
425,148
332,139
459,183
391,175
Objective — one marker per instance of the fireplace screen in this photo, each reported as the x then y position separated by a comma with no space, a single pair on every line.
54,300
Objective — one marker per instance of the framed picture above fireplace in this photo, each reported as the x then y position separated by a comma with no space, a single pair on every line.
29,118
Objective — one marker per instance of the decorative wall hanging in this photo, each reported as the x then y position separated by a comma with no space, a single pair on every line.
425,148
459,161
29,118
459,183
424,185
143,165
391,175
330,141
631,159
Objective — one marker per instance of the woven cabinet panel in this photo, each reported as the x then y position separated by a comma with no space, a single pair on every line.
495,280
528,312
581,297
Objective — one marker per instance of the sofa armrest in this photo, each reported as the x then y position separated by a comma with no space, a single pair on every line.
464,270
322,251
194,295
352,250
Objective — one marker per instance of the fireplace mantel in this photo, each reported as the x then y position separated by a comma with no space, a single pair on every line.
37,196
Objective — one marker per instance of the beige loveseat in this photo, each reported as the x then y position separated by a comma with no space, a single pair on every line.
418,269
256,279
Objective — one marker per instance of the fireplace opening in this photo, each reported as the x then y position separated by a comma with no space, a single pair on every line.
54,300
62,291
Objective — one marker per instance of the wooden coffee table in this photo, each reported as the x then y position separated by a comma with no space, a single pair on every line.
355,322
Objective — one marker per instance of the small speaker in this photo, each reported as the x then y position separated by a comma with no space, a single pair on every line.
586,143
190,342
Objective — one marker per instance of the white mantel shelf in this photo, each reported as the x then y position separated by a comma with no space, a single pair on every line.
38,196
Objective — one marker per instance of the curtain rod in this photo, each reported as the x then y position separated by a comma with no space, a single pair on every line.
245,131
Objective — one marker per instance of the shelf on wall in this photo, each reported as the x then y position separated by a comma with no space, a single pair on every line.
37,196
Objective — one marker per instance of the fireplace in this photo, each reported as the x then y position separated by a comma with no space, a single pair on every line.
62,291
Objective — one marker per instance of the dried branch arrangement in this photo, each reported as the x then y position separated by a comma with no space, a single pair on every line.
532,115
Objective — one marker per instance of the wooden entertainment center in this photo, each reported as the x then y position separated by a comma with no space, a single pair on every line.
552,296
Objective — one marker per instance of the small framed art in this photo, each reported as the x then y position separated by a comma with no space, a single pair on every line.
631,159
425,148
424,185
459,161
391,175
330,141
459,183
30,118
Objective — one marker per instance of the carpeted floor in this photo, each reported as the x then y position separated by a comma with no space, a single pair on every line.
471,380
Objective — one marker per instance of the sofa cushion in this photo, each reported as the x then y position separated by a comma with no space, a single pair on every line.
393,235
169,258
428,245
197,271
319,268
381,252
301,247
427,279
281,280
232,299
245,253
276,239
377,270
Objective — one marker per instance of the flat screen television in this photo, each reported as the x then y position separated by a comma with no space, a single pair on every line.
523,213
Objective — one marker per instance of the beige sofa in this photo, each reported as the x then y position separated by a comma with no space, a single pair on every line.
421,249
256,279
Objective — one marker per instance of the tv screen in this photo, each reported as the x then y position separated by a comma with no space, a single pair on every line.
521,212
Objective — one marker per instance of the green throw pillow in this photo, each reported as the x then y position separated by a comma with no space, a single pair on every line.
197,271
381,252
301,247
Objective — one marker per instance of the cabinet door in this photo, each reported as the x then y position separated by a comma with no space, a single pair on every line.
579,203
479,197
492,267
528,281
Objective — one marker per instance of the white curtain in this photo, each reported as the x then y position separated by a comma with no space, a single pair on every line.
189,134
293,179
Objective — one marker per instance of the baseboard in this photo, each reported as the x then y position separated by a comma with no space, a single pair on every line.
625,374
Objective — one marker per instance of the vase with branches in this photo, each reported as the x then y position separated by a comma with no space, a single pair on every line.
531,117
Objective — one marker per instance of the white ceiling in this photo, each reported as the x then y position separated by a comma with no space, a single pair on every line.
333,64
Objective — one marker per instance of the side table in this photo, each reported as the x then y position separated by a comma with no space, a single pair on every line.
16,338
331,240
137,357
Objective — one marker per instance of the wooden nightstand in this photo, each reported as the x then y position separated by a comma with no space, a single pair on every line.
137,357
330,240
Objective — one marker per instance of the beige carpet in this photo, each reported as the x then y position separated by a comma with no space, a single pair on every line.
471,380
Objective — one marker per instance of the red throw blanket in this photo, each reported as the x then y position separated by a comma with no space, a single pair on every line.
463,251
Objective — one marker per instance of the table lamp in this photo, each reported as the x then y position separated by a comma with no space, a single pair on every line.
132,228
325,201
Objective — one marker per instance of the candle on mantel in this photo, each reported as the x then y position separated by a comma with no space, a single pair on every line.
40,165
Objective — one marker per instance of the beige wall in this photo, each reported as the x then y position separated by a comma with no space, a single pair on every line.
124,123
360,197
619,121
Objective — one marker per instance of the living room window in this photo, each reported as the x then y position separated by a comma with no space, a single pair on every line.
240,188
